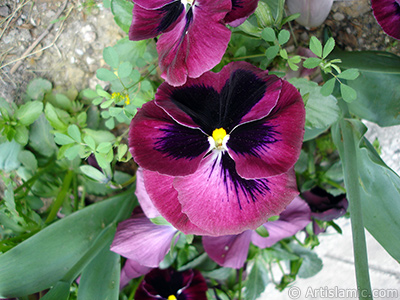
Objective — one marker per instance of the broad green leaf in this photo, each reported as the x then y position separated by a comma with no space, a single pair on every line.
125,69
60,101
100,136
311,264
328,48
21,135
93,173
276,7
283,36
268,34
29,112
44,259
250,29
111,57
316,46
348,93
75,133
58,292
105,75
122,11
28,159
62,139
264,15
321,111
257,280
37,88
9,155
40,137
100,279
72,152
52,116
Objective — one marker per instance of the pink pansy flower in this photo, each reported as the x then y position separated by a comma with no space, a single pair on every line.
218,153
193,32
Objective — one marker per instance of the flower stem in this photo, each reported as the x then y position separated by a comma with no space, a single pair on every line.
350,168
240,283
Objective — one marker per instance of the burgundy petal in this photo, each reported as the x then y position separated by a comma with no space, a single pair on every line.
241,10
387,13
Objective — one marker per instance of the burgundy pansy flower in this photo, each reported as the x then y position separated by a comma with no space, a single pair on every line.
172,285
218,153
387,13
193,33
231,250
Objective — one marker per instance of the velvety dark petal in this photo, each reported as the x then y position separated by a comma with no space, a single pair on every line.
293,219
139,239
229,251
159,144
387,13
154,4
241,10
147,23
165,199
239,93
196,44
272,145
218,200
197,288
132,269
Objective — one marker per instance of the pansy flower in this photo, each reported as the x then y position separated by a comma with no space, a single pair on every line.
169,284
193,32
387,13
218,153
231,250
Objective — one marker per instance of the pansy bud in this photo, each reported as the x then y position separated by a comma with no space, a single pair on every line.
312,12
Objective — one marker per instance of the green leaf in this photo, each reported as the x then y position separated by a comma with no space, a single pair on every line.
316,46
348,93
21,135
327,88
125,69
262,231
250,29
122,11
312,62
283,36
29,112
100,279
328,48
268,34
105,75
111,57
350,74
72,152
75,133
311,264
90,142
257,280
122,149
62,249
28,160
264,15
272,52
40,137
9,155
93,173
53,118
283,54
100,136
104,147
62,139
37,88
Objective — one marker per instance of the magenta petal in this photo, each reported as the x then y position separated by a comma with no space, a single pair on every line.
196,44
293,219
153,4
241,10
165,199
132,269
229,251
143,197
157,143
218,200
387,13
271,146
139,239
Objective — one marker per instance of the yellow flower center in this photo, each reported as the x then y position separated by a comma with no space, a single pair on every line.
171,297
218,135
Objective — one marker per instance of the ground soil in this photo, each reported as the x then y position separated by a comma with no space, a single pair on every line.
71,52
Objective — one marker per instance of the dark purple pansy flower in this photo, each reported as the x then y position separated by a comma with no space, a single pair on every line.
193,32
231,251
387,13
218,153
172,285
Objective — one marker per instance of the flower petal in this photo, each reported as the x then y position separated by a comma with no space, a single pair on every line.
216,199
153,4
149,23
293,219
196,44
241,10
143,197
229,251
312,12
139,239
272,145
216,100
387,13
158,143
165,199
132,269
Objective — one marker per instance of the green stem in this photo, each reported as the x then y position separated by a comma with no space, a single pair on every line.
350,168
240,283
249,56
61,196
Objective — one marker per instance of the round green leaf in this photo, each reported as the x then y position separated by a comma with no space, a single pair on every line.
272,52
29,112
74,132
105,75
62,139
283,36
348,93
316,46
268,34
37,88
111,57
125,69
